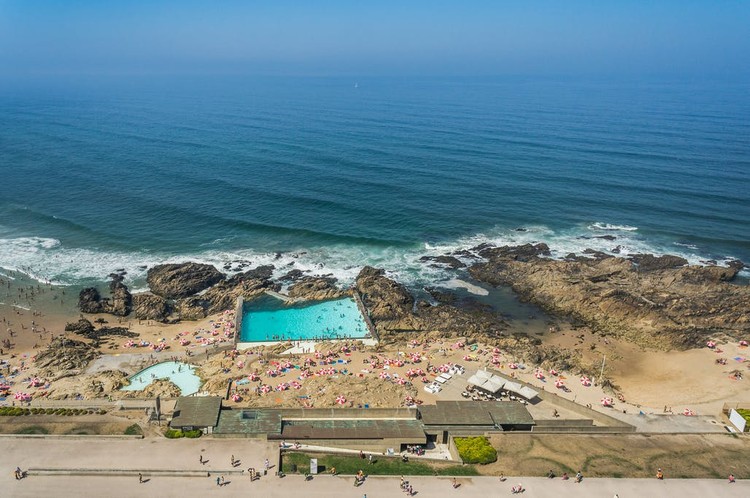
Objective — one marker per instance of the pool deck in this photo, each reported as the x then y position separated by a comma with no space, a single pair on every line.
303,347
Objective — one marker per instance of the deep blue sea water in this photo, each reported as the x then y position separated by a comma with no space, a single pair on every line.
334,173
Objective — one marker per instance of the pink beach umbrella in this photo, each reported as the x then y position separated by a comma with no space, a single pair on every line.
253,377
512,366
445,367
496,351
305,374
384,375
265,388
539,375
552,371
401,381
340,400
711,344
743,343
585,381
559,384
236,398
688,412
282,387
606,401
424,379
296,384
271,373
495,360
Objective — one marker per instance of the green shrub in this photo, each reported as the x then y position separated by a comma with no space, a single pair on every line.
174,434
744,413
475,450
34,429
196,433
133,430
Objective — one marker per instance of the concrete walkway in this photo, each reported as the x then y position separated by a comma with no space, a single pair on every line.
182,455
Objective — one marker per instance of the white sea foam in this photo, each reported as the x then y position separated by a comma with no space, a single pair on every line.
46,259
456,283
610,227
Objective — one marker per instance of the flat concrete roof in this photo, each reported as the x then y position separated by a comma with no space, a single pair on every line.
408,431
475,413
196,411
249,421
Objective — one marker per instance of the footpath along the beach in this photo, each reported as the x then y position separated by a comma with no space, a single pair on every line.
183,455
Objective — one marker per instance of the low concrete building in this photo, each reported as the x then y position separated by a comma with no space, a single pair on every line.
464,418
196,412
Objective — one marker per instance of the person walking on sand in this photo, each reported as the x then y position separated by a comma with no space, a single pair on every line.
140,478
232,460
731,478
200,459
455,483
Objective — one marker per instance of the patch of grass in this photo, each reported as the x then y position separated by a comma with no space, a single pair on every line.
32,429
350,465
133,430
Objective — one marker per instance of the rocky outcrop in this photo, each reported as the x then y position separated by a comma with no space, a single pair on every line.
119,304
147,306
89,300
315,289
192,308
652,301
393,310
64,355
389,303
450,261
175,281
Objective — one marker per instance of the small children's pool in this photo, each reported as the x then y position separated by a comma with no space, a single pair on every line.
180,374
270,319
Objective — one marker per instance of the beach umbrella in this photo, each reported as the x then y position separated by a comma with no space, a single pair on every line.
253,377
711,344
424,379
513,366
496,351
265,388
341,400
559,383
401,381
585,381
688,412
384,375
552,371
743,343
236,398
296,384
539,375
495,360
606,401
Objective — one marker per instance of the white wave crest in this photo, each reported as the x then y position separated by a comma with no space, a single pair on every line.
610,227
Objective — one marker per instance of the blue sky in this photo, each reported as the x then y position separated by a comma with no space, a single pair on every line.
380,37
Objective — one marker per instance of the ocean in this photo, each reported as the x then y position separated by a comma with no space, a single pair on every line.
326,175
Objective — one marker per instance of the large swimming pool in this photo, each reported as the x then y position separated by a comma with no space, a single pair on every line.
270,319
180,374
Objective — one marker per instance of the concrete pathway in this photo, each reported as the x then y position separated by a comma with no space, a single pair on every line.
184,455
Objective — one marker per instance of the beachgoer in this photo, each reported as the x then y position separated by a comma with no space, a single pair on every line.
455,483
502,477
200,459
659,474
550,474
232,460
731,478
565,476
579,476
222,480
266,464
140,477
218,481
369,458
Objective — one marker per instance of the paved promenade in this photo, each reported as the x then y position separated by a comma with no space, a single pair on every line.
145,455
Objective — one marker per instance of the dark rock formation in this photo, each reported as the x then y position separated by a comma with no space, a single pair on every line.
449,261
89,300
315,288
656,302
147,306
64,354
649,262
81,327
174,281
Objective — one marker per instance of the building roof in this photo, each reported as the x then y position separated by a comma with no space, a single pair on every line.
408,431
196,411
249,421
475,413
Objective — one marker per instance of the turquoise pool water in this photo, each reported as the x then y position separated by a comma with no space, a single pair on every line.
181,375
269,319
